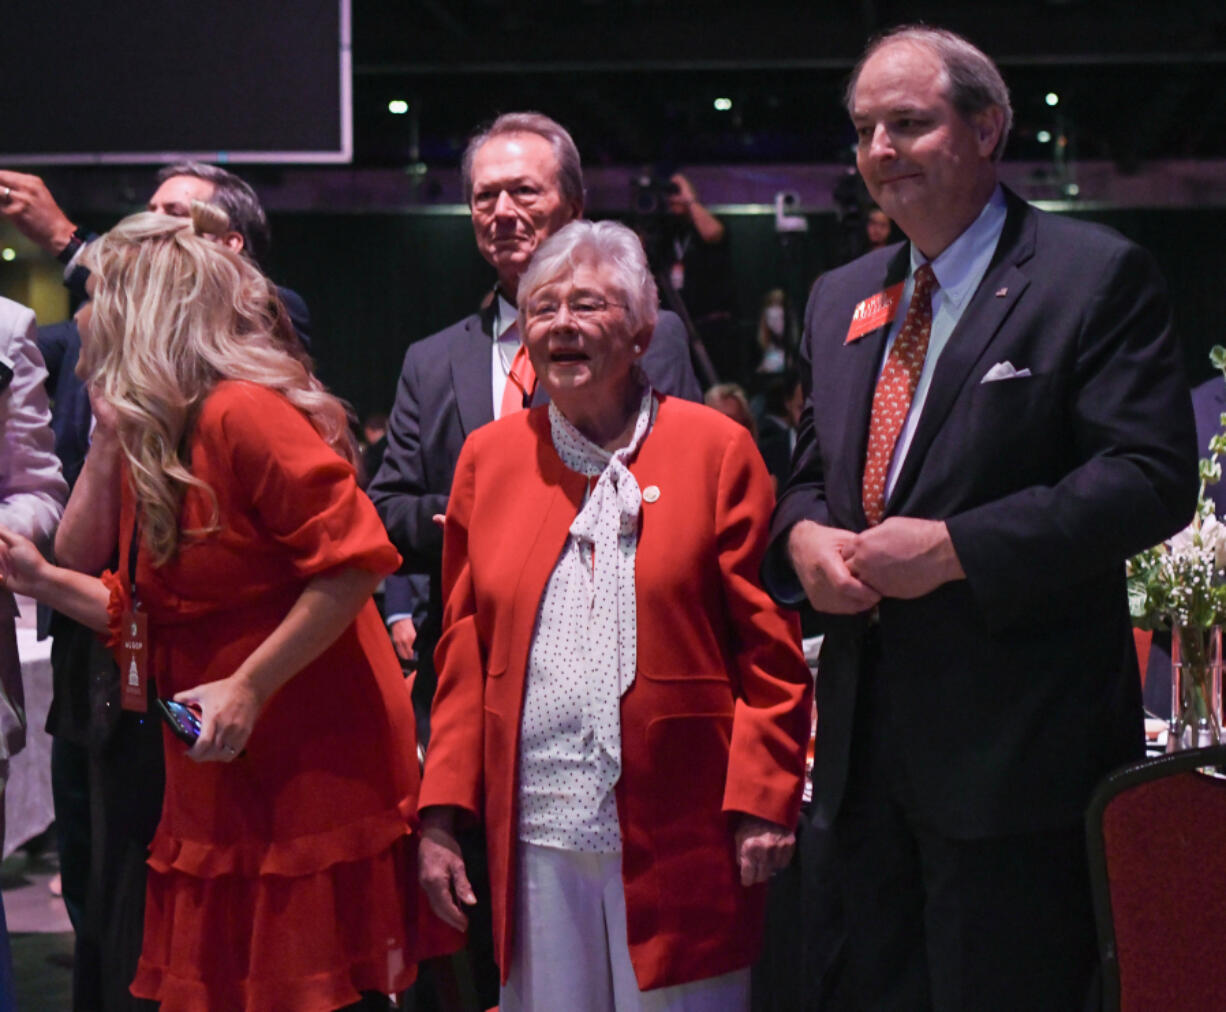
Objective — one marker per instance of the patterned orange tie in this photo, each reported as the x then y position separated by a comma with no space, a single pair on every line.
521,381
895,388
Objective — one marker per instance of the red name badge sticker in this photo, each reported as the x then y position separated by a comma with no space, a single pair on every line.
875,311
134,661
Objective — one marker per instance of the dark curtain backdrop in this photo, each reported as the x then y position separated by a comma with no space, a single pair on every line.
374,284
377,282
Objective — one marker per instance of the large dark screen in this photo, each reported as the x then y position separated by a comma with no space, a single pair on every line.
138,80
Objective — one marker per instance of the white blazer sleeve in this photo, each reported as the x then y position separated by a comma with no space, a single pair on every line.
32,487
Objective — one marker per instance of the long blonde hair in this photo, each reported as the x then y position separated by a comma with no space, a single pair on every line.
175,312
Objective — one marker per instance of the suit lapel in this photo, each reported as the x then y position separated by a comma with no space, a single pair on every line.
990,305
471,366
860,364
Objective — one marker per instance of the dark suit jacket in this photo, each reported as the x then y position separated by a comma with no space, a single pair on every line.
1013,691
406,595
72,652
60,344
775,445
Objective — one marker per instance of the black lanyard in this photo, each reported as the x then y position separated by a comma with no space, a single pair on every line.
133,552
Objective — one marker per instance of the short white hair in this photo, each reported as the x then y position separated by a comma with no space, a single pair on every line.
609,244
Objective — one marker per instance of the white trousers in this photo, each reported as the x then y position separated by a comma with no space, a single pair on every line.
570,951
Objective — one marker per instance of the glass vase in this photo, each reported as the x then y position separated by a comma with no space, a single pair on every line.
1196,687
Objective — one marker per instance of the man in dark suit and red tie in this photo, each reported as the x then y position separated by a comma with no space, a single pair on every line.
996,421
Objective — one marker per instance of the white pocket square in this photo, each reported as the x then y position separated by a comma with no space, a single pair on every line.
1004,371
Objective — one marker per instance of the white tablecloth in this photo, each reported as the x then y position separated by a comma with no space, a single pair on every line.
28,809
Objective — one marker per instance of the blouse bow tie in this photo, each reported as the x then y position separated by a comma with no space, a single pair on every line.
617,492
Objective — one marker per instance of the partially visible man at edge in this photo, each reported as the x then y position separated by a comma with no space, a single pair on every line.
29,205
996,420
523,181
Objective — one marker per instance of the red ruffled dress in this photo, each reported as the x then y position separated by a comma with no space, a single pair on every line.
283,880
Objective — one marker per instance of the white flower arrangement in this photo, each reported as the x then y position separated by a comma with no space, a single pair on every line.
1181,585
1182,582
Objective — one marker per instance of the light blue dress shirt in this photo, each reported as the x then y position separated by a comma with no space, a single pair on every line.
959,270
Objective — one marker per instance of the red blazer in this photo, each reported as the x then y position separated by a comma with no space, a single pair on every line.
718,715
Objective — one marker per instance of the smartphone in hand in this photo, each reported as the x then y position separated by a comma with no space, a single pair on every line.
183,720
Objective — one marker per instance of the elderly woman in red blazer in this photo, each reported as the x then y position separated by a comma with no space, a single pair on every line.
618,698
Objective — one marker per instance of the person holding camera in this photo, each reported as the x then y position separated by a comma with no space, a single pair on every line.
698,266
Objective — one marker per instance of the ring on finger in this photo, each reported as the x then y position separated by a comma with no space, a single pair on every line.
8,192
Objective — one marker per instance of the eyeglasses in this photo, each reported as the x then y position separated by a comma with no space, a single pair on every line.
581,305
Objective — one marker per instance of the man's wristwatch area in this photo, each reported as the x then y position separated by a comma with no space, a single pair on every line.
75,242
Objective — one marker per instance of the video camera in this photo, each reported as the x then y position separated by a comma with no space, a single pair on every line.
649,193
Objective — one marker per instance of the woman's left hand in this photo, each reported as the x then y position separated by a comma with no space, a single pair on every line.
228,709
762,848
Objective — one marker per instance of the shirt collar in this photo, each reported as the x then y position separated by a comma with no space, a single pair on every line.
961,265
504,317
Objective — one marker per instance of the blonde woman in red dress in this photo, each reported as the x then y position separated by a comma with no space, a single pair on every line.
280,873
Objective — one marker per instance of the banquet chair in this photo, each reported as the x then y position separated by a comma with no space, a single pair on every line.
1156,833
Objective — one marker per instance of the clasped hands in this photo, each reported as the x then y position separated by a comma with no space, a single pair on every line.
844,573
